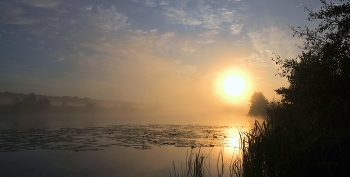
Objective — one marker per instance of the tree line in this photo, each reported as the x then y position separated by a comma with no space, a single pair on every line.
18,103
38,104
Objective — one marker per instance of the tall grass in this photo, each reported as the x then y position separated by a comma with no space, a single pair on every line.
286,143
291,143
198,165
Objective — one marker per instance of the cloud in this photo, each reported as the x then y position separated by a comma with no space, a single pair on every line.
109,19
188,48
86,7
65,23
61,58
12,14
164,43
134,45
140,64
102,18
39,3
137,71
26,68
205,41
204,15
181,16
154,41
236,28
272,39
163,3
254,60
151,3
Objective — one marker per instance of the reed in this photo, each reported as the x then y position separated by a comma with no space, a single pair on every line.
286,143
198,165
292,143
195,166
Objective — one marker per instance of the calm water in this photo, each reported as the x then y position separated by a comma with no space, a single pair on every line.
124,145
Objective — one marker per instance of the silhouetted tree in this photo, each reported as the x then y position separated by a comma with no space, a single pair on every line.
43,105
65,108
15,106
29,104
258,105
90,107
320,77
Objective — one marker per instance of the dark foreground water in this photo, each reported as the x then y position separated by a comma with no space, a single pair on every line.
108,150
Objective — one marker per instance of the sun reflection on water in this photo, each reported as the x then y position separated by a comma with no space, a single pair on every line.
233,142
233,139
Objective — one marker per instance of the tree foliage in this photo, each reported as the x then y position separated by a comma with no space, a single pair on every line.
320,77
258,104
43,105
30,104
311,123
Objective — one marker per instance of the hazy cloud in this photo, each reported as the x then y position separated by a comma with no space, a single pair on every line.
39,3
12,14
187,47
165,41
271,40
86,7
255,60
61,58
108,19
181,16
151,3
163,3
236,28
203,14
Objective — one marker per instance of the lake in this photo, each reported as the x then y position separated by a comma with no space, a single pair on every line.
114,145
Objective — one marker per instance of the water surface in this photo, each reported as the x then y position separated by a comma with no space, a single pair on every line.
86,146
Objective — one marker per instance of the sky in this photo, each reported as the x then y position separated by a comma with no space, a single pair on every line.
159,51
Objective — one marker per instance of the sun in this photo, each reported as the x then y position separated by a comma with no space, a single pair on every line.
234,85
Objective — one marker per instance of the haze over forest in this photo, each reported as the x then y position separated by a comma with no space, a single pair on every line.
110,106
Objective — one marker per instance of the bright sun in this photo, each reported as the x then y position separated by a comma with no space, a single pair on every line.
234,85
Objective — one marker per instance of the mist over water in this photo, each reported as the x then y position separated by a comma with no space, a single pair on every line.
56,134
117,144
92,120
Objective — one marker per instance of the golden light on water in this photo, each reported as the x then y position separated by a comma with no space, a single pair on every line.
234,142
233,139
